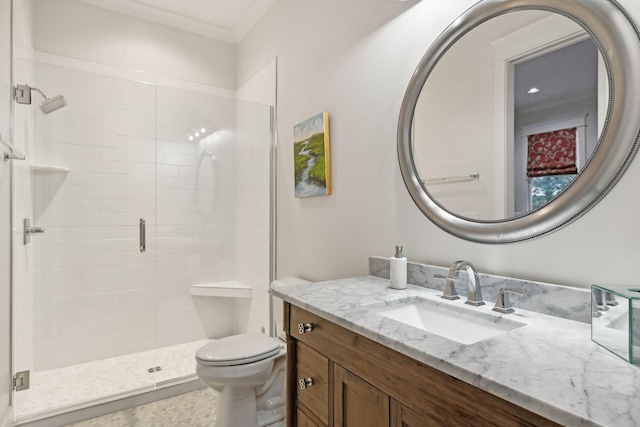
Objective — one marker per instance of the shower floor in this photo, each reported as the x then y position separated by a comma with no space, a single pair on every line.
61,389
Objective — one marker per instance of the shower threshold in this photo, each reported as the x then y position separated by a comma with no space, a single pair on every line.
61,390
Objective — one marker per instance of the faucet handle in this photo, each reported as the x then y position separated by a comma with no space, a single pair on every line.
503,305
595,309
450,291
610,299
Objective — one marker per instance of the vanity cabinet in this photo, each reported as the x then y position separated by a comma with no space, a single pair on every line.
338,378
356,402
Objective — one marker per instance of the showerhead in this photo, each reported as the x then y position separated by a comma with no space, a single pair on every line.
52,104
22,94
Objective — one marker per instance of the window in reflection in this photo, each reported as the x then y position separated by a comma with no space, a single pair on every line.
566,102
542,189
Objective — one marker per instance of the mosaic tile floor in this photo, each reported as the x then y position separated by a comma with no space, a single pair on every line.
195,409
73,385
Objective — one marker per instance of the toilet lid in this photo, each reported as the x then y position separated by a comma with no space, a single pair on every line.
238,350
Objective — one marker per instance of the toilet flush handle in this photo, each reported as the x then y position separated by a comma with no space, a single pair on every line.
305,327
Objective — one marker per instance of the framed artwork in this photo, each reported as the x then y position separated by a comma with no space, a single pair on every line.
311,156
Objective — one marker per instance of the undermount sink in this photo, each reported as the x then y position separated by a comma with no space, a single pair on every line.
462,324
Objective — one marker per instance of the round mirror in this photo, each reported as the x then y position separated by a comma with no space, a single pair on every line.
517,119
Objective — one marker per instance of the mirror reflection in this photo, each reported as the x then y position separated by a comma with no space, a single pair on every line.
510,115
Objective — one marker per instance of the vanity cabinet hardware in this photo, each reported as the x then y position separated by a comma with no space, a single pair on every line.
305,382
305,327
503,305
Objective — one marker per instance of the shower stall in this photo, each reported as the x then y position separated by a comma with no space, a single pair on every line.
142,227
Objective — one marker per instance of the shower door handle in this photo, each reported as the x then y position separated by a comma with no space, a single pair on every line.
143,235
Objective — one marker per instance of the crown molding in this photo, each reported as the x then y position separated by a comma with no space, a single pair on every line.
250,17
168,18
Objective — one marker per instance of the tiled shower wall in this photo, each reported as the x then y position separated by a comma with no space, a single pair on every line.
96,294
195,213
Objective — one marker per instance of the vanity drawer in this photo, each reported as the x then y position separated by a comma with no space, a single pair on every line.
312,380
311,329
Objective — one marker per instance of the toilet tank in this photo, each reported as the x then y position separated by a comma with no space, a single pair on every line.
277,313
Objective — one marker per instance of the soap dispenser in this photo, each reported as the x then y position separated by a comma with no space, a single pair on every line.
398,270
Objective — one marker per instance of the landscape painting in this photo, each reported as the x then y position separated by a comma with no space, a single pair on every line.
311,156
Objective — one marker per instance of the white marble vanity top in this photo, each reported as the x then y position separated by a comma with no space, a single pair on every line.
550,366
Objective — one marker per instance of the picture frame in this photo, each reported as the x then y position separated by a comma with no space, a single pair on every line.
312,157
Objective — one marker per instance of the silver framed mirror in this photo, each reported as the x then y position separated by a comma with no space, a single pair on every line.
617,40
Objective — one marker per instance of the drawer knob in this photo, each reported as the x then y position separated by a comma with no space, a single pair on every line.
305,382
305,327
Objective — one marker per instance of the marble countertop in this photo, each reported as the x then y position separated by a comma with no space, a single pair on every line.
549,366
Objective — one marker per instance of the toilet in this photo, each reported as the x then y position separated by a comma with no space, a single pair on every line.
249,372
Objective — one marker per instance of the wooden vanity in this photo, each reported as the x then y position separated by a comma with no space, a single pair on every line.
336,377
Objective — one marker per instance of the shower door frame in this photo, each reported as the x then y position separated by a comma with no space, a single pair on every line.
6,281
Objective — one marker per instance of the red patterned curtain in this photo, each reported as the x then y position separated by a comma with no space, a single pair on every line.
552,153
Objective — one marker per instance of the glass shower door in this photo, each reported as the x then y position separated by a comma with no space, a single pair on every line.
90,278
195,232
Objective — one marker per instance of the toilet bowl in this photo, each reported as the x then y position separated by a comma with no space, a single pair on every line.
248,370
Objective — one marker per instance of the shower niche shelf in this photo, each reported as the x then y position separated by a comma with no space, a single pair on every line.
231,289
48,168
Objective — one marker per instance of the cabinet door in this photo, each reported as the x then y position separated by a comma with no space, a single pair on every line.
302,420
405,417
358,403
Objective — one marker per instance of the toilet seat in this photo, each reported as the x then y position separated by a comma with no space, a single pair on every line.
238,350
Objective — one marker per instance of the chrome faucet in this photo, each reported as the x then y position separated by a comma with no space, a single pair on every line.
503,305
474,295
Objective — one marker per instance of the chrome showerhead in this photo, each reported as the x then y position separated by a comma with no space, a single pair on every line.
22,94
52,104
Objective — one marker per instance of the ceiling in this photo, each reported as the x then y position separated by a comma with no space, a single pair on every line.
566,74
225,20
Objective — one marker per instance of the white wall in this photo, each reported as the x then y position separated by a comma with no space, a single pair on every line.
78,30
354,60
